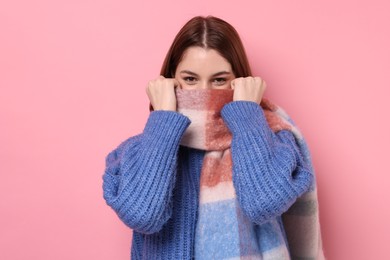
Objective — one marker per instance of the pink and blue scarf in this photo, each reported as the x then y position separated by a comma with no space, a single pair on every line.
217,199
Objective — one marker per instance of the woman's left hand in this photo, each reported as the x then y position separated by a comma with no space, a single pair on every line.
248,89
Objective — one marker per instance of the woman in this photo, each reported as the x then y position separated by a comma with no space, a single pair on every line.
219,171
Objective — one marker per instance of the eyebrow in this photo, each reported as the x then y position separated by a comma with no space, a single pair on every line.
214,75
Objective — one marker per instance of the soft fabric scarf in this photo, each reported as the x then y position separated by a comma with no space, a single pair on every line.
208,132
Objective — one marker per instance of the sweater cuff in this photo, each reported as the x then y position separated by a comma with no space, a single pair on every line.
243,116
166,126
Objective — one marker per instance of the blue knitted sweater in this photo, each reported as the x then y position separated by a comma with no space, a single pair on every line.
152,182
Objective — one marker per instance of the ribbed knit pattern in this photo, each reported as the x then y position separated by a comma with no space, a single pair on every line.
257,149
141,173
152,183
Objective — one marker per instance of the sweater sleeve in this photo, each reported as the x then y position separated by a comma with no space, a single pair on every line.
140,173
269,172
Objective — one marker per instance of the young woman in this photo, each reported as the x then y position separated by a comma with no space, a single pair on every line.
219,172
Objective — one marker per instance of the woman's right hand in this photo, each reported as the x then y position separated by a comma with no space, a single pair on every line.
161,93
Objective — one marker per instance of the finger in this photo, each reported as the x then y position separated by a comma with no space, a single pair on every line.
262,84
256,81
232,84
176,83
148,91
149,95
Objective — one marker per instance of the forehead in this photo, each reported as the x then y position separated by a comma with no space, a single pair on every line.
204,59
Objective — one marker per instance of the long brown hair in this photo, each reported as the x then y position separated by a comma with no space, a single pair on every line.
211,33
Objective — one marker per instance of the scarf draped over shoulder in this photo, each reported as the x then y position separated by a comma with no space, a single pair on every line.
208,132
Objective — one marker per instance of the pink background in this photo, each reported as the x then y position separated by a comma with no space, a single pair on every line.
73,76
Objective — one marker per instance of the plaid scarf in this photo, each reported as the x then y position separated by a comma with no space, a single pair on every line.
217,198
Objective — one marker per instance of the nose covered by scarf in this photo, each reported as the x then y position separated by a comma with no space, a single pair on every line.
207,130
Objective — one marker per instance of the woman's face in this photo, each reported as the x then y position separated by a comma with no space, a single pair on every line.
202,68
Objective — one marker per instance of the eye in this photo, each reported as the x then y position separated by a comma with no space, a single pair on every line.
219,81
190,80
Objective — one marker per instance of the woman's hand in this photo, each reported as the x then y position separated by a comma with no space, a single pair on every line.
161,93
249,89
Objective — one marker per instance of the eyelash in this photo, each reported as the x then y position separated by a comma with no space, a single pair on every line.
189,79
218,81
